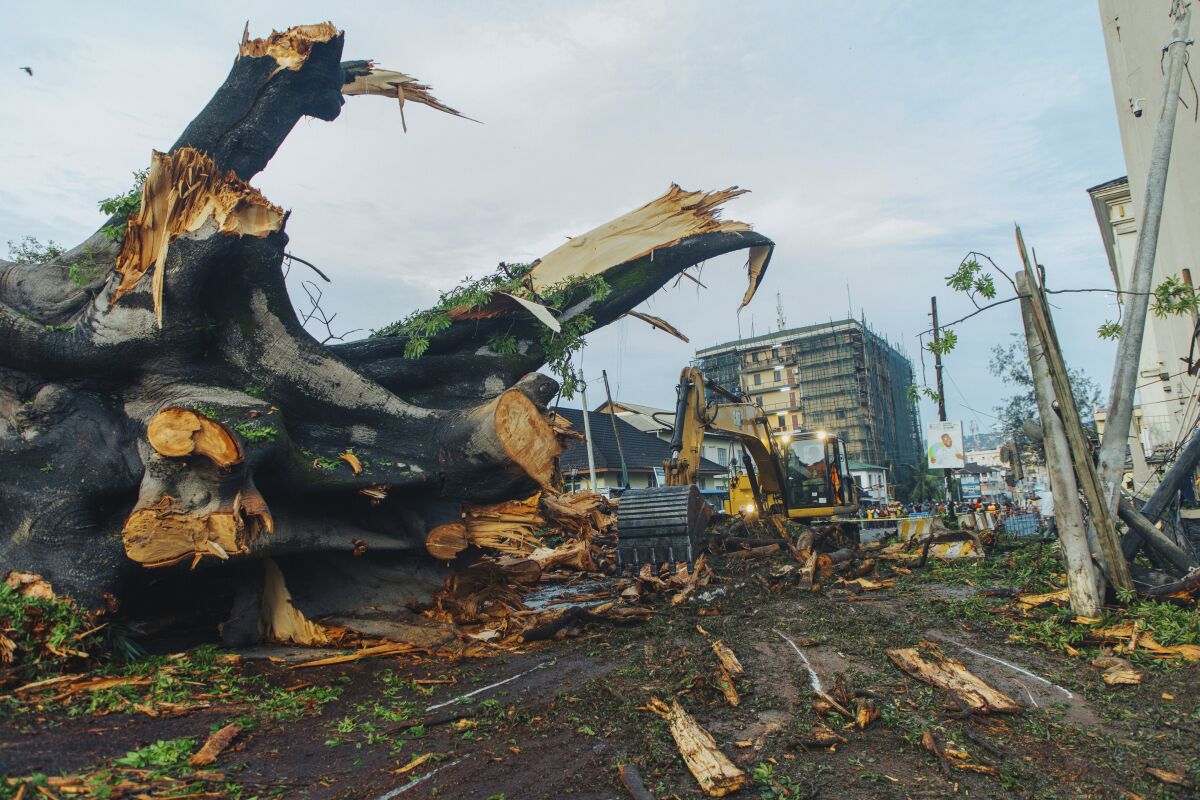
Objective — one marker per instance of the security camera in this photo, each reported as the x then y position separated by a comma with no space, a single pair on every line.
1136,106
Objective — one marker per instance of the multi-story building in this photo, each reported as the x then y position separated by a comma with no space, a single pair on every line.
839,377
1135,32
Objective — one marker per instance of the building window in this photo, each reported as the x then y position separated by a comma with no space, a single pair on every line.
757,376
756,355
722,456
795,423
792,398
782,422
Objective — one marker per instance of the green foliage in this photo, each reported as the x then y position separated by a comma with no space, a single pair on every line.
255,433
163,754
1010,363
919,484
48,634
1173,296
256,391
1109,330
212,412
503,343
558,348
122,206
945,343
972,280
915,392
30,251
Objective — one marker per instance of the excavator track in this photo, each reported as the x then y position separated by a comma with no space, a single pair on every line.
663,525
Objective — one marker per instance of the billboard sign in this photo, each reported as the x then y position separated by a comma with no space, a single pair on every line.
945,445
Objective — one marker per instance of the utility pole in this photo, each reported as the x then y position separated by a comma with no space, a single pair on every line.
941,395
1084,584
587,437
1141,282
612,417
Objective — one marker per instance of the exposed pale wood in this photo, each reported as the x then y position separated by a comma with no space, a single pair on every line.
162,532
398,86
525,435
179,432
715,773
280,621
447,540
662,222
215,745
289,48
929,665
727,658
725,684
184,191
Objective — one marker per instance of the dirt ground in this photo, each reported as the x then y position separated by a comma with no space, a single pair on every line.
559,719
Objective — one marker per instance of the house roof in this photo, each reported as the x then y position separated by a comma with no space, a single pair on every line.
643,451
653,420
1109,184
860,465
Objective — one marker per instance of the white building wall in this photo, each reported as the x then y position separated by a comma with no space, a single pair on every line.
1134,34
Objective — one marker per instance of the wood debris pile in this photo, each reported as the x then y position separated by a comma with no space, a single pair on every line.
40,631
550,544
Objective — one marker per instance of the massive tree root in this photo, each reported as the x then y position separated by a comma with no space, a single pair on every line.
164,410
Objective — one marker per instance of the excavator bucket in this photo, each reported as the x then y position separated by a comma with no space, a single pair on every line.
663,525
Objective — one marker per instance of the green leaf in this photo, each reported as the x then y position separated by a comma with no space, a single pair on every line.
1109,330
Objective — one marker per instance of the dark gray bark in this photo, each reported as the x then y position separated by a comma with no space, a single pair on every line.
83,373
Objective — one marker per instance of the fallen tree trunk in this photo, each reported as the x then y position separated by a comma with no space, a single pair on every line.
171,411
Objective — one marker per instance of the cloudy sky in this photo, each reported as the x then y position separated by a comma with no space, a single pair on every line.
881,143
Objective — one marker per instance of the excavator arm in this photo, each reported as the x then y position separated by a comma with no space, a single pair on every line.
666,523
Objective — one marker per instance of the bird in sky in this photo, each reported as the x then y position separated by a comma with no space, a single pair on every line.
28,71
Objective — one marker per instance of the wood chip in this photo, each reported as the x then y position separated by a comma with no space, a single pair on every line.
411,765
215,745
929,665
727,658
715,773
1173,778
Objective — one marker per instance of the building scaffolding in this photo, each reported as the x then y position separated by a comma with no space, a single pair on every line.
839,376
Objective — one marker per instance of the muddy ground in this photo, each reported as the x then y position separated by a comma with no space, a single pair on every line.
559,719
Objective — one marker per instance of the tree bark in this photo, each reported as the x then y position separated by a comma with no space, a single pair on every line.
171,412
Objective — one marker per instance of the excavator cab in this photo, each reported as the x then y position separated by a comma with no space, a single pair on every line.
818,479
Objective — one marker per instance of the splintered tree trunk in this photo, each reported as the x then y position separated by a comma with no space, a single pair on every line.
172,413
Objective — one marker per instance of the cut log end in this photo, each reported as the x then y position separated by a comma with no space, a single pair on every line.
527,438
160,535
447,541
179,432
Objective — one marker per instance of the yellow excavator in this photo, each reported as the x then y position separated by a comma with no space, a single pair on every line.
800,476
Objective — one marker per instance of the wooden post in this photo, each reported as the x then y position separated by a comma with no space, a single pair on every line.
612,417
1111,557
587,438
1084,582
1141,280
